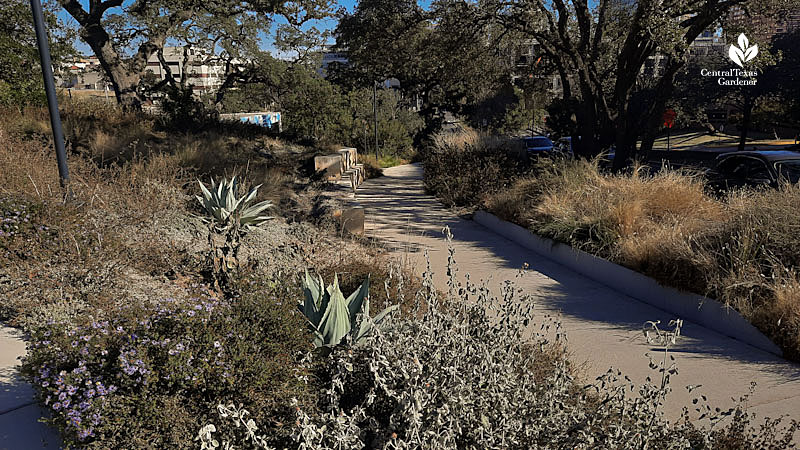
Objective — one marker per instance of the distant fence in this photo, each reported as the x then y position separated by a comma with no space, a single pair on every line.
268,119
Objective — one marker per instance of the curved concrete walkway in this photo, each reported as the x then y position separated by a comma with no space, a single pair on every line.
20,428
604,327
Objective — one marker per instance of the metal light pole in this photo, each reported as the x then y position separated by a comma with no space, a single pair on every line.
375,114
50,90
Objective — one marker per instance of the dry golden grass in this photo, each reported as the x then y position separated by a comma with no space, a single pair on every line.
132,212
462,138
464,168
517,203
465,138
624,217
742,250
632,204
87,244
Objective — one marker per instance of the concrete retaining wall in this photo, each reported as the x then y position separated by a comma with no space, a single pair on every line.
341,165
690,307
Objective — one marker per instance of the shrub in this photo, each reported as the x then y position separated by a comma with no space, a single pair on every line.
391,282
463,168
140,374
476,376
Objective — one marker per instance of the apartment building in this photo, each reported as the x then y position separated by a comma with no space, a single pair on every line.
191,64
767,26
330,55
86,74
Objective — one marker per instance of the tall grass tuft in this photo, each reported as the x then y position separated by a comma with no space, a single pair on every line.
463,167
740,249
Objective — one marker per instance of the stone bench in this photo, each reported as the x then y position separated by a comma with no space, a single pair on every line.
330,164
349,157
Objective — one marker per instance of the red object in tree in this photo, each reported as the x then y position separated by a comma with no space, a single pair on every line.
669,118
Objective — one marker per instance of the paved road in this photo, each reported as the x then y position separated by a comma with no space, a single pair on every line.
603,326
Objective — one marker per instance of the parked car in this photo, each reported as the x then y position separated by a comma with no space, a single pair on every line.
765,168
538,144
564,146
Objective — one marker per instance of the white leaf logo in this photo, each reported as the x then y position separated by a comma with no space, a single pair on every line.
744,53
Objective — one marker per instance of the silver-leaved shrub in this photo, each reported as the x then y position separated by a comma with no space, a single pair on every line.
477,372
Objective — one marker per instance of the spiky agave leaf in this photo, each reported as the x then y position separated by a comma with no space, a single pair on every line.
331,316
368,323
221,204
335,323
356,300
316,299
251,214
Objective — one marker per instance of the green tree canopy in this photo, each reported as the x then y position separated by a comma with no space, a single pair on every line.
448,55
125,35
20,72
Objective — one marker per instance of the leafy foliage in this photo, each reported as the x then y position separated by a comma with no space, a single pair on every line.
124,36
445,55
123,373
473,372
21,74
320,112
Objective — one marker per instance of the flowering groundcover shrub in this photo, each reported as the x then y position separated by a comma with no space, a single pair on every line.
145,375
16,218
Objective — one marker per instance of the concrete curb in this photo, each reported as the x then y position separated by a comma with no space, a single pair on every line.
690,307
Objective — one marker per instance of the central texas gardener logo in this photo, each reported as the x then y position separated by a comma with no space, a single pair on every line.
737,76
744,52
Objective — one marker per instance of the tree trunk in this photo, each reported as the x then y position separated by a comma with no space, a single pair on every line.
124,81
625,138
124,74
645,121
747,112
125,90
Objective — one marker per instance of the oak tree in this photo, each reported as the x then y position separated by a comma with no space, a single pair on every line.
125,35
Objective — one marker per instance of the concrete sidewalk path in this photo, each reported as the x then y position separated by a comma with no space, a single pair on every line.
20,428
604,327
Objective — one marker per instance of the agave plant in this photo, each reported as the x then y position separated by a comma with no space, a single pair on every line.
221,204
332,317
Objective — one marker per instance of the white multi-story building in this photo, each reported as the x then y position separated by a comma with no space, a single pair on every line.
331,56
189,63
86,74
